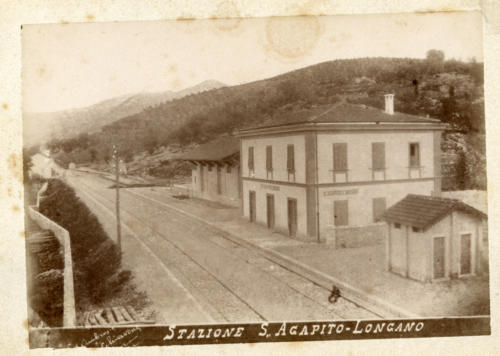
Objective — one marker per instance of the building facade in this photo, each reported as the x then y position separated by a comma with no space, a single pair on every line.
43,165
215,172
329,169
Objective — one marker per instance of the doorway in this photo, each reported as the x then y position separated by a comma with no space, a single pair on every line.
251,200
270,211
439,257
340,213
202,180
465,254
292,217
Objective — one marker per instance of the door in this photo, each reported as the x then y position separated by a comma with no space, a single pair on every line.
251,200
202,183
340,213
465,254
219,180
439,256
292,217
270,211
378,208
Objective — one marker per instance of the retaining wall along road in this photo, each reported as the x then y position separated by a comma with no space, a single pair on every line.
69,314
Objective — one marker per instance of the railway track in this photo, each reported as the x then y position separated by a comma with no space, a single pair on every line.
223,298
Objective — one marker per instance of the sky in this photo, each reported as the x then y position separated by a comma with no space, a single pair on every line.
76,65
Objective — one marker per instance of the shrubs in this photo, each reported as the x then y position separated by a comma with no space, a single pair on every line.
48,297
45,276
96,258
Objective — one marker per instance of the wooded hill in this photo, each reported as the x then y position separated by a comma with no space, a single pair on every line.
451,91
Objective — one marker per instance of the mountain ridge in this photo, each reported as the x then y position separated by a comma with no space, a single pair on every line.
63,124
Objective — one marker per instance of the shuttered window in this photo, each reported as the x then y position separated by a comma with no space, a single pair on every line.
379,206
269,158
250,159
378,155
290,159
340,156
414,155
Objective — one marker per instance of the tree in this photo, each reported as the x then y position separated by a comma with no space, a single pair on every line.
289,91
435,56
435,61
461,170
93,154
82,141
27,163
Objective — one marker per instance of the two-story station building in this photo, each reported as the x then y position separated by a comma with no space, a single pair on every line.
330,168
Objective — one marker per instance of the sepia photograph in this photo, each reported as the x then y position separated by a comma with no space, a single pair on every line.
241,180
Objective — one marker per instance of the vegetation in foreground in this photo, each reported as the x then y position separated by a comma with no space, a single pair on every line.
99,279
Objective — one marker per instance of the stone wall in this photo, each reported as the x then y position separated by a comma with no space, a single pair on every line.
359,236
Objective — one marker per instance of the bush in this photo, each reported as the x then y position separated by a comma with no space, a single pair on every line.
96,258
48,298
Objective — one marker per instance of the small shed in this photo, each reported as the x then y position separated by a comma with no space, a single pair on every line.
432,238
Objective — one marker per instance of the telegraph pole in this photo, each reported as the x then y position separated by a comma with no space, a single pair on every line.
117,200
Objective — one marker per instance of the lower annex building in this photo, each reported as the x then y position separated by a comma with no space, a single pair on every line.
216,170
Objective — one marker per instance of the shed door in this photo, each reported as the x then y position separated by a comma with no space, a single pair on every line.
251,201
340,212
438,255
202,183
292,217
465,254
270,211
219,180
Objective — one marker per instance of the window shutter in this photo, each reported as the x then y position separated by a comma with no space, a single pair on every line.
378,155
414,155
269,158
250,158
379,206
290,161
340,156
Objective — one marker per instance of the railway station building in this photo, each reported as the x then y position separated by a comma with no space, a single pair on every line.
316,173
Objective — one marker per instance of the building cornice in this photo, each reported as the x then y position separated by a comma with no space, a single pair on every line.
343,184
341,127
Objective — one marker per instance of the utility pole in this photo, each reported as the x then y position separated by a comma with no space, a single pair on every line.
117,200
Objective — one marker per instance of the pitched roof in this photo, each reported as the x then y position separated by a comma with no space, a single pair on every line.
216,150
422,211
343,112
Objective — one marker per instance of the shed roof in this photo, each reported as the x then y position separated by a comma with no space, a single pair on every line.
343,112
216,150
423,211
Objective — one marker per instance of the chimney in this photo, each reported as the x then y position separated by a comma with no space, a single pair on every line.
389,104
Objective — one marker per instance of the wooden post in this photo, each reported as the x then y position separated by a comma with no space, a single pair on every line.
388,247
117,200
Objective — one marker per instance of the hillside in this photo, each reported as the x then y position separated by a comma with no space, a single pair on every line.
41,127
451,91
